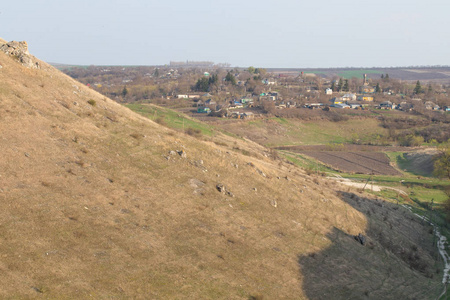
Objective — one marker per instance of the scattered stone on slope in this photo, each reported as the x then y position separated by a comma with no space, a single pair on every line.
222,189
261,173
38,290
19,50
257,170
171,153
199,164
360,238
197,185
182,153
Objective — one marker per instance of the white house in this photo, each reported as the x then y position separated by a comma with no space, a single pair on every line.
349,97
269,82
186,96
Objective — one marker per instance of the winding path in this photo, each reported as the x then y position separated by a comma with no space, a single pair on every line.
360,185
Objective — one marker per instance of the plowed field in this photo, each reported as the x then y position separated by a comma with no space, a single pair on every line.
355,162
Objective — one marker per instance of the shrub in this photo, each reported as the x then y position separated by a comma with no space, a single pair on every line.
309,171
92,102
136,136
274,154
411,140
161,121
193,132
219,143
336,117
335,147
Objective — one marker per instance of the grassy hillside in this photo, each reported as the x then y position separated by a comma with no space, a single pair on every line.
171,118
100,202
274,131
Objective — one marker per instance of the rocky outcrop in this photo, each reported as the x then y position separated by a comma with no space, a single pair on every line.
360,238
19,50
221,188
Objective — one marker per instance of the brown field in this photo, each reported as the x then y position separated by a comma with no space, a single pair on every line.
356,162
347,148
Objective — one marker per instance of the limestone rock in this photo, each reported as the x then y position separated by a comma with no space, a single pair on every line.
360,238
182,153
19,50
197,185
221,188
261,173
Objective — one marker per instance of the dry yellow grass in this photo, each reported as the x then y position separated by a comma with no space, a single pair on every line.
97,202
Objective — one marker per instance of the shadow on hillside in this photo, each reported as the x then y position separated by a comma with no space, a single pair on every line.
418,166
396,261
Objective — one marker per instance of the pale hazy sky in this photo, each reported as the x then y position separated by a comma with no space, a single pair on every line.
260,33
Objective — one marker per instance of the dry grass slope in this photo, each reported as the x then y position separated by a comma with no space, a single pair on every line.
100,202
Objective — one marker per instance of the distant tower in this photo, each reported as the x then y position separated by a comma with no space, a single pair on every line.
365,79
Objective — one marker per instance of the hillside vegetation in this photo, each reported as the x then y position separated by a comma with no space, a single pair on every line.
98,201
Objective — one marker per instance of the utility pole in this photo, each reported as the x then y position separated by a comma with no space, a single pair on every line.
431,211
368,179
431,222
371,181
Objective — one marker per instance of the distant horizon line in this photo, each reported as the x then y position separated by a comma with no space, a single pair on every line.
241,67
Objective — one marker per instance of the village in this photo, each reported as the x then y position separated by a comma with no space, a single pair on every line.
203,89
365,98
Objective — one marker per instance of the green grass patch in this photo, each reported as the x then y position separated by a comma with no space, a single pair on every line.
424,194
316,133
357,73
389,194
171,118
281,121
292,131
326,132
400,160
407,166
401,180
306,163
256,123
413,167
